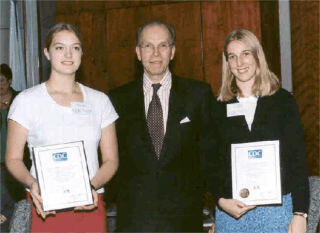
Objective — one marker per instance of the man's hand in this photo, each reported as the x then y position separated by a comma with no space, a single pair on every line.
234,207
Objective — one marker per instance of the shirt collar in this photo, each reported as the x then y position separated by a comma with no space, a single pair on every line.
165,82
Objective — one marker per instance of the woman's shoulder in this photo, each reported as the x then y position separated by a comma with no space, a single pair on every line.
32,92
95,96
282,95
281,99
224,103
91,91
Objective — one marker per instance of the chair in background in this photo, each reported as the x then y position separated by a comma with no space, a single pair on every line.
112,217
21,218
314,209
208,219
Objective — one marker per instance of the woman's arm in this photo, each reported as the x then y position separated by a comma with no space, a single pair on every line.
294,146
110,161
296,157
16,140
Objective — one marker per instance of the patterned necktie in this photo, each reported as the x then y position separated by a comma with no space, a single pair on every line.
155,120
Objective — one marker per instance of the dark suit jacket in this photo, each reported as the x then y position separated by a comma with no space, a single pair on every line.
165,194
276,118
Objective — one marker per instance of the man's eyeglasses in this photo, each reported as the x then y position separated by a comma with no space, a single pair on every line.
150,47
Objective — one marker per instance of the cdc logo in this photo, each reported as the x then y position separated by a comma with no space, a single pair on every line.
255,154
62,156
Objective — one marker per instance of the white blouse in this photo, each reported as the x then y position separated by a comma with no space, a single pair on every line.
251,104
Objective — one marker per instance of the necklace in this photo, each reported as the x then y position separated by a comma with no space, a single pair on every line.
8,97
5,103
74,90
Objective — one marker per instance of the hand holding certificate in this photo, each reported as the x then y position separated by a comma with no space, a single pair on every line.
63,176
256,173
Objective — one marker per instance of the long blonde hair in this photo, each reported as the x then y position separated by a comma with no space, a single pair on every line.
266,82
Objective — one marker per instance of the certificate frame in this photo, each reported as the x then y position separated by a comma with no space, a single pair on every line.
63,176
256,177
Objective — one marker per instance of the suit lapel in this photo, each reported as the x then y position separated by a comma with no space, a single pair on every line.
137,111
138,118
177,111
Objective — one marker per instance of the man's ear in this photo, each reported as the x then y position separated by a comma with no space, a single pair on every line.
46,53
173,51
138,53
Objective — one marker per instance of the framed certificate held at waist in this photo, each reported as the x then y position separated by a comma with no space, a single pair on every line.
256,178
63,175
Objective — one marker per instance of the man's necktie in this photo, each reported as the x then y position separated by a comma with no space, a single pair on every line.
155,120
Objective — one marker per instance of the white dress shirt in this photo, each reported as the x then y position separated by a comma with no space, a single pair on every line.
163,93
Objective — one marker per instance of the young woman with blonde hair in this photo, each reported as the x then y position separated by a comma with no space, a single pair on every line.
266,112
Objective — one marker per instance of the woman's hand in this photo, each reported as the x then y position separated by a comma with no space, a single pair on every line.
298,224
37,200
89,207
234,207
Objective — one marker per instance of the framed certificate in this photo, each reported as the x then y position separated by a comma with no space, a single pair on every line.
256,178
63,176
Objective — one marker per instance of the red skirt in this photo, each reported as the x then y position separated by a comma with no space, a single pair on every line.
70,221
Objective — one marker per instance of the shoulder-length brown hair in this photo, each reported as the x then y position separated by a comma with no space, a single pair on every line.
266,82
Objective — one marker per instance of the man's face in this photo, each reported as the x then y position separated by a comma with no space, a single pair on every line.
155,51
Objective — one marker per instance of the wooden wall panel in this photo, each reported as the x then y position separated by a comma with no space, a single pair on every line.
94,58
123,65
305,69
136,3
219,18
121,58
270,34
76,6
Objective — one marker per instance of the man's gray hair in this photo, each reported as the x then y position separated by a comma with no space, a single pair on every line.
157,23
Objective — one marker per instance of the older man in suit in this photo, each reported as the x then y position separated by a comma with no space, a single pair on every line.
163,136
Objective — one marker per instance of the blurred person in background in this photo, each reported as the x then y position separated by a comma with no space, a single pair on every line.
11,190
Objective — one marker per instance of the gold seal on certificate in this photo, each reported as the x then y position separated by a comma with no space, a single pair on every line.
62,175
244,193
256,178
